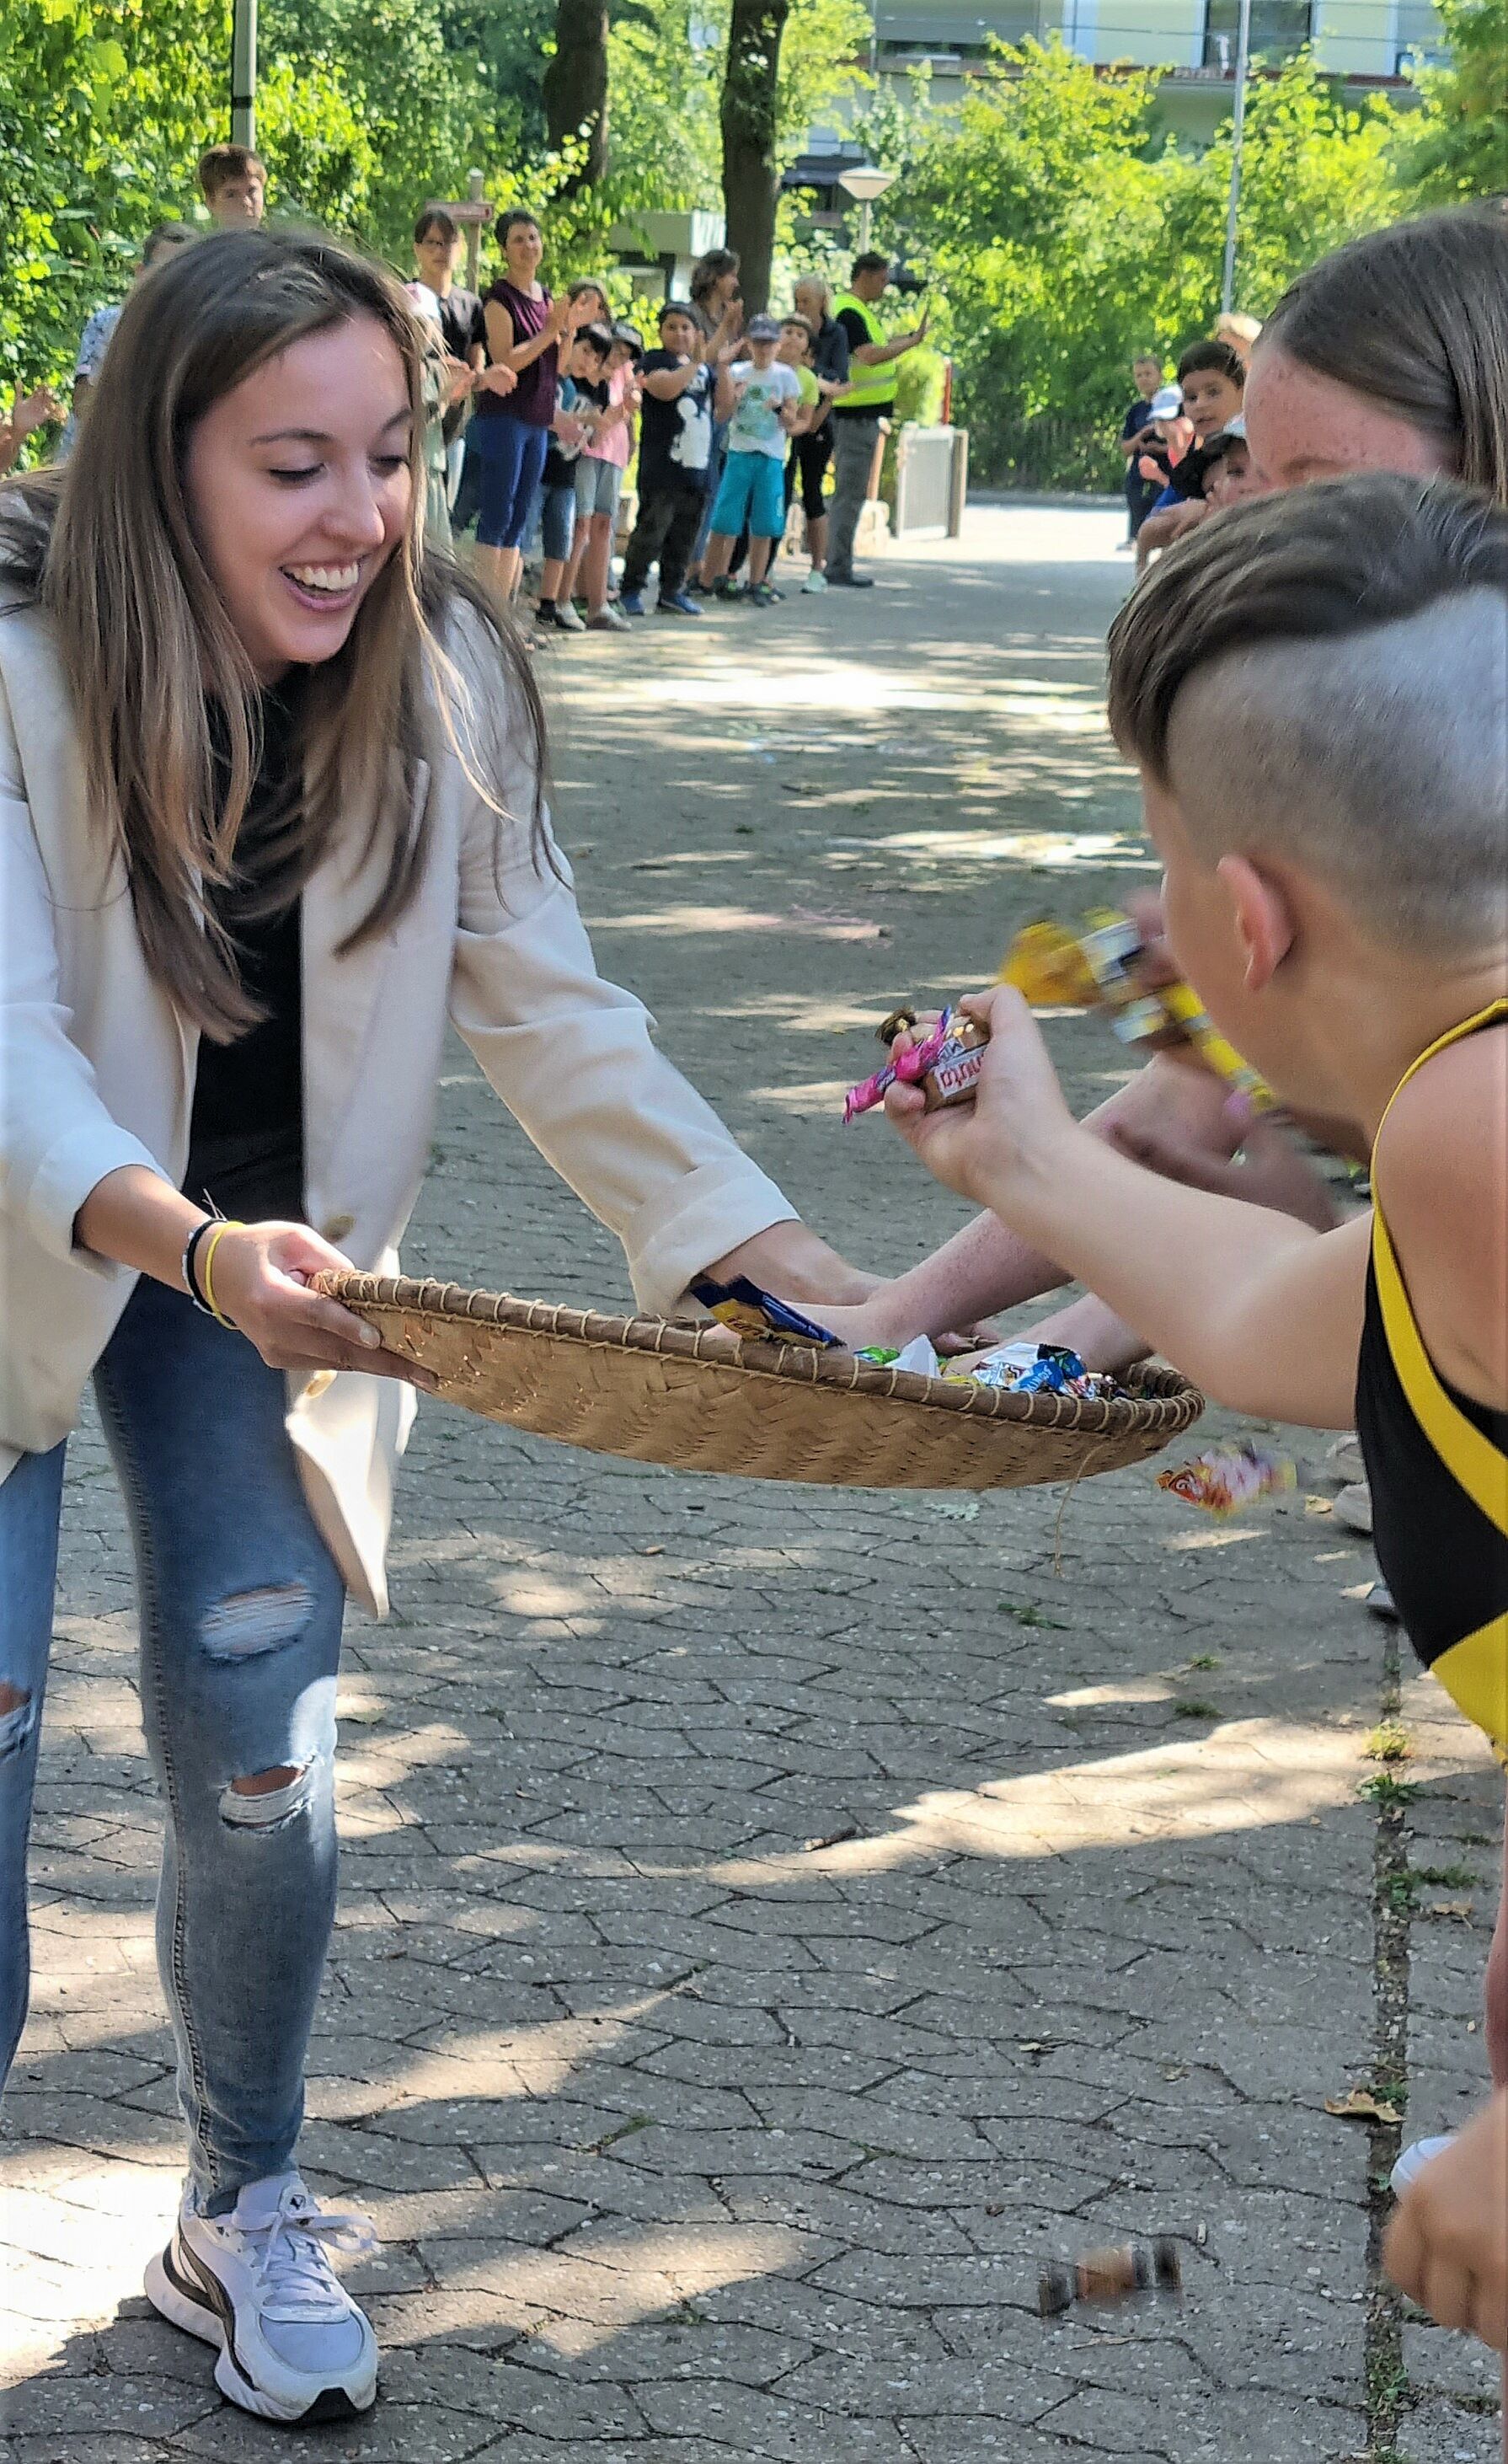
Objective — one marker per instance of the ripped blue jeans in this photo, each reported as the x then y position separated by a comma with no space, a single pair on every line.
241,1606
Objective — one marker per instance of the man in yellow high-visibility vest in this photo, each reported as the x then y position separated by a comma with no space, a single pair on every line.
857,411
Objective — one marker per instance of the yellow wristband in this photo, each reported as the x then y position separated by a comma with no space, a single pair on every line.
207,1272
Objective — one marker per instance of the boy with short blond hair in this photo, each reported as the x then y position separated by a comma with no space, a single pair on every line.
1315,690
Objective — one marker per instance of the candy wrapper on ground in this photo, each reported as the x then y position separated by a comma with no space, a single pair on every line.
944,1063
1229,1477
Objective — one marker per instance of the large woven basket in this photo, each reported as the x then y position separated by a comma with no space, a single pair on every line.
702,1399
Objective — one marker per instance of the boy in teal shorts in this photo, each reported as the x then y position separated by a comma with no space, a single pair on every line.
760,400
1315,690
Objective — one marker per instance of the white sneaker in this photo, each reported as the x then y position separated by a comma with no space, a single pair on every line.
609,619
258,2284
815,580
566,618
1413,2160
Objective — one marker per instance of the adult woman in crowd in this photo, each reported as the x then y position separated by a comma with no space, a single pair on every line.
511,428
811,453
240,900
714,284
718,302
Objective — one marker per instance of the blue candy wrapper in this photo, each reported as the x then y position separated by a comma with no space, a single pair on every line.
747,1311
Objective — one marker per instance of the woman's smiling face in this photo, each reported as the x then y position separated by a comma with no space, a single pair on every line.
299,489
523,248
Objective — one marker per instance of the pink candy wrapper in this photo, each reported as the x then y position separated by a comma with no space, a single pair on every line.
956,1062
1230,1478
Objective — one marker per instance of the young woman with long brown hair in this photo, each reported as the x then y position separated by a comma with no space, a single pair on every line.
270,813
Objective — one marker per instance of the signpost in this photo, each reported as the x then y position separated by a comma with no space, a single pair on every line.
472,212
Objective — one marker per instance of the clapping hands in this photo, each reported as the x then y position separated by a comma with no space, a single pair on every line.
27,413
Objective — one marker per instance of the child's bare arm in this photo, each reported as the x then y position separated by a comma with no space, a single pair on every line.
1260,1309
666,384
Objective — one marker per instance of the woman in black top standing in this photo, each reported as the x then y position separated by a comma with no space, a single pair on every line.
812,451
511,433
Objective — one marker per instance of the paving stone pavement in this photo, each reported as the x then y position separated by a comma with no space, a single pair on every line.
776,1921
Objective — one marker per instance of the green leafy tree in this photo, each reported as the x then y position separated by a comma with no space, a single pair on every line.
575,85
1063,241
104,108
312,126
1456,145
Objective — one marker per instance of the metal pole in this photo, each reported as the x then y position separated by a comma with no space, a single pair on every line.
476,189
243,73
863,225
1243,47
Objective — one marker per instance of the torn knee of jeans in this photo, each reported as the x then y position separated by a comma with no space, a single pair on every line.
247,1622
268,1809
18,1713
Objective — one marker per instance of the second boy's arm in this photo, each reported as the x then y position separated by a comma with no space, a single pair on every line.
1261,1310
666,385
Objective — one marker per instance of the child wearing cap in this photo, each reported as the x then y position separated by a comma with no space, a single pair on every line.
760,400
1315,690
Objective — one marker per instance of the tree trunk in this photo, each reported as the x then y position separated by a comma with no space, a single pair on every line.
749,180
575,85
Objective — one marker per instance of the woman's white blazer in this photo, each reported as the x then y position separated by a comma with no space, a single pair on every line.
96,1070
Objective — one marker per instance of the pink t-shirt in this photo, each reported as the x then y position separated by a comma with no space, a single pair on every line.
614,447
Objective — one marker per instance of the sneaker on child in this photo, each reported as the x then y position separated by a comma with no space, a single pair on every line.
608,619
815,580
259,2284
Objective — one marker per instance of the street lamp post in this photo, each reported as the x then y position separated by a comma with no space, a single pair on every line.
864,182
1244,56
243,73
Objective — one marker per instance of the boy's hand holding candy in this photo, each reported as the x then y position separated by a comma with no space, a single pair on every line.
1017,1124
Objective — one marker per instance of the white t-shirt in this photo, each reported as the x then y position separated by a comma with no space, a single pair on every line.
754,426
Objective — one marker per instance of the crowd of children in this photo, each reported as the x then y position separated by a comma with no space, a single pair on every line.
729,419
1185,442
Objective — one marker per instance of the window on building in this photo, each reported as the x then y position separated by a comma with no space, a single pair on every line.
1280,28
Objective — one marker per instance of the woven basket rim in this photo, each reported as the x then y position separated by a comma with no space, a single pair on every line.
1165,1399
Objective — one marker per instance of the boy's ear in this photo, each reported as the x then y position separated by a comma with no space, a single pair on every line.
1264,920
